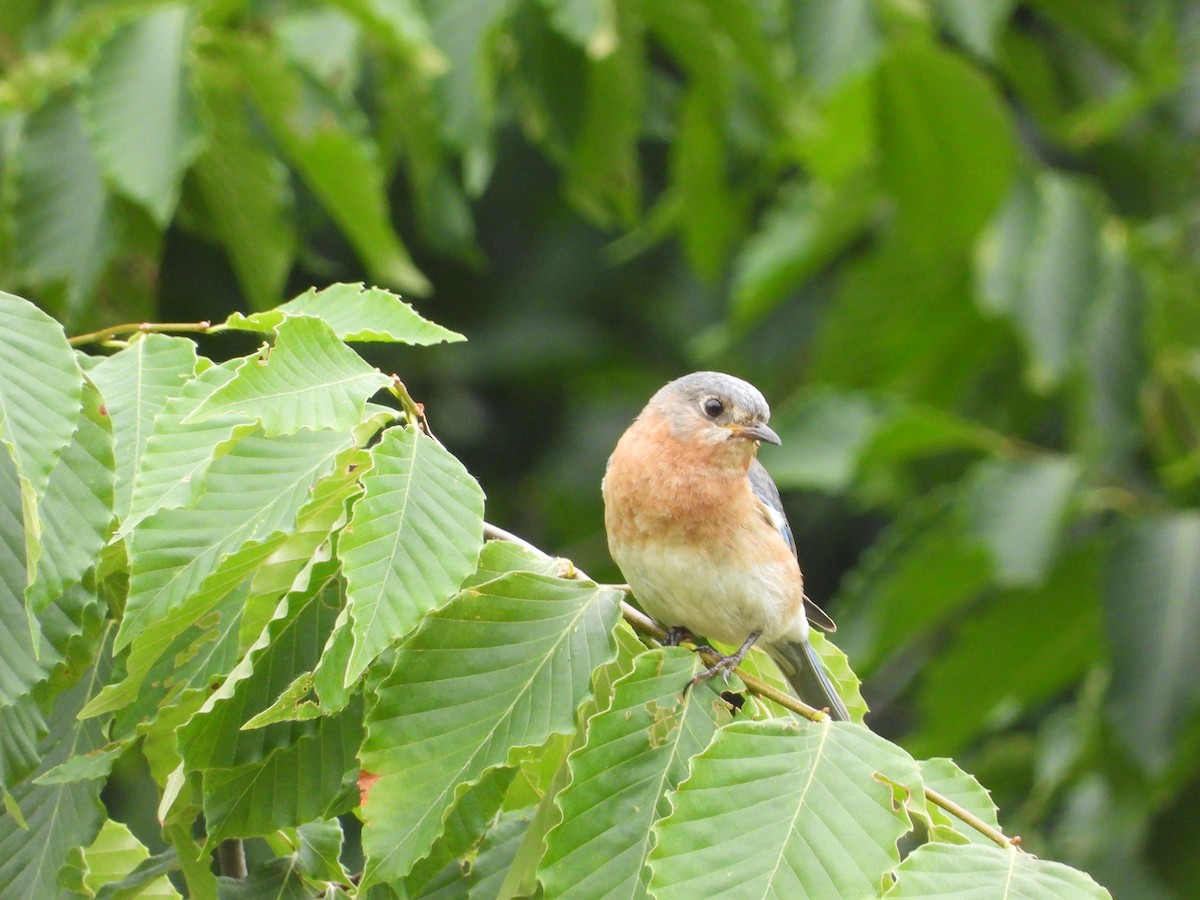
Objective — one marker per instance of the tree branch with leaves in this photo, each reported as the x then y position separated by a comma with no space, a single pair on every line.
279,594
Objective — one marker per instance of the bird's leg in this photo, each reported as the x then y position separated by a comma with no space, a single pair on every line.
726,664
675,635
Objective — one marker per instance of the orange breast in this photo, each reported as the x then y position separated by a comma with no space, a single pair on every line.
660,489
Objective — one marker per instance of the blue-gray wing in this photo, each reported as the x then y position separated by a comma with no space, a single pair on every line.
765,490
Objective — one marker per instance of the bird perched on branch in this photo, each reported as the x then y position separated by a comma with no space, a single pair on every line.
696,526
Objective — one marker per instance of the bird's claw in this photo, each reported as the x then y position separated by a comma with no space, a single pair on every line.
723,666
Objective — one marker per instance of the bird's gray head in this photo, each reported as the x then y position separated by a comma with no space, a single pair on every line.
714,408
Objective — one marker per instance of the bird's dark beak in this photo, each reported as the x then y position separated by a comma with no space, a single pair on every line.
757,432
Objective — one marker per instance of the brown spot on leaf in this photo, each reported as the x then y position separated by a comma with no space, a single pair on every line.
663,721
366,781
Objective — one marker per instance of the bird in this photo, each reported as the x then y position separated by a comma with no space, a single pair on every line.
697,527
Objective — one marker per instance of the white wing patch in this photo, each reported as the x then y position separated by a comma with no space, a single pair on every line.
774,517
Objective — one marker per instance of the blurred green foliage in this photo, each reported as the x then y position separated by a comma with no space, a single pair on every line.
954,241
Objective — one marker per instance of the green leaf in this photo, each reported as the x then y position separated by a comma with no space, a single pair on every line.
21,727
29,658
141,110
114,855
31,678
637,750
785,808
1018,509
320,850
975,23
403,25
176,457
314,778
293,563
41,393
504,665
466,825
946,870
412,538
1111,436
498,558
94,764
806,229
824,435
59,817
136,383
496,853
308,379
279,879
946,778
589,23
203,630
76,510
602,170
837,666
920,571
710,212
289,646
61,217
463,31
1041,263
340,165
915,318
947,147
252,495
1152,605
835,40
150,875
182,652
355,313
1023,647
246,193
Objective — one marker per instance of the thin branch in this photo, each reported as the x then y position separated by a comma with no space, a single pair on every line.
105,334
646,626
231,856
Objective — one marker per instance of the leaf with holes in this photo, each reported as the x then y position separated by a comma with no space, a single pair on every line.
637,750
945,777
355,313
309,379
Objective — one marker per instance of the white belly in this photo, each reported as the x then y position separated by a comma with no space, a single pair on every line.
684,586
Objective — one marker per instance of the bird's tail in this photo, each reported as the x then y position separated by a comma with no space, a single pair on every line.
803,668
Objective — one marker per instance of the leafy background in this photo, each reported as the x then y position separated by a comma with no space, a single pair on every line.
953,241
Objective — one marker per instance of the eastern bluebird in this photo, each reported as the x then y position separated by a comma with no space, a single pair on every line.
697,527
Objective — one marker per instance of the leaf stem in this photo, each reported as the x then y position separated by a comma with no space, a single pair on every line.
413,411
645,625
105,334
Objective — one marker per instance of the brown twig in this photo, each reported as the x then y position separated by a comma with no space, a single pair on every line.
231,856
105,334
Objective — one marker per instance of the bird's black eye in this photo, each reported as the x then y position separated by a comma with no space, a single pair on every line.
713,407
